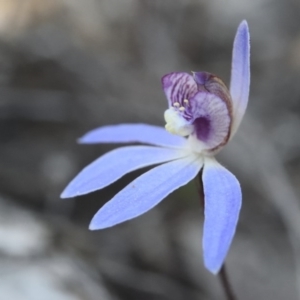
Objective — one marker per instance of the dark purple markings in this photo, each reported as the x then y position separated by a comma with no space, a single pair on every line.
202,128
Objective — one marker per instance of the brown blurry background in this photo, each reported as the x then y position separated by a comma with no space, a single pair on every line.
68,66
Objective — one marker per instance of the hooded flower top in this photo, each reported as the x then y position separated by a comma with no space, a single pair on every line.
203,115
200,107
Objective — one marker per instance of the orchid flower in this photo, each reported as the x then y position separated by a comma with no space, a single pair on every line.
203,115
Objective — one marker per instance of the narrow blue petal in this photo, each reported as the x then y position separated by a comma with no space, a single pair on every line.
146,191
223,199
115,164
133,133
240,74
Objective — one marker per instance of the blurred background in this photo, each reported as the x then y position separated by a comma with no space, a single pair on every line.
68,66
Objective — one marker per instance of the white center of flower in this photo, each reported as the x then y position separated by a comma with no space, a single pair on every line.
176,124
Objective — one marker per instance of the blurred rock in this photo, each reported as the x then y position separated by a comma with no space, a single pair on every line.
32,267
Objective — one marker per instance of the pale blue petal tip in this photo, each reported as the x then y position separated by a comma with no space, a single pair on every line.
98,223
63,195
244,27
66,194
69,192
85,139
213,267
93,226
80,140
244,23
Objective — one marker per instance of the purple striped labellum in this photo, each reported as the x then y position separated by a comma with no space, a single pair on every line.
200,107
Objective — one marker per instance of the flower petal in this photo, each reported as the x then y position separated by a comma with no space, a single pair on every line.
146,191
178,86
240,74
222,198
133,133
115,164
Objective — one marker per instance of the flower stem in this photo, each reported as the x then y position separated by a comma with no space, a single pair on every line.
226,284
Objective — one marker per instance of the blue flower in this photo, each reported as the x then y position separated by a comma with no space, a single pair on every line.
203,115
